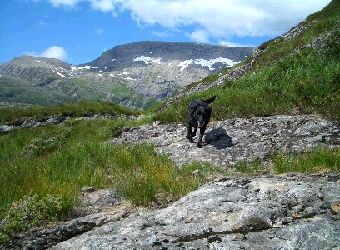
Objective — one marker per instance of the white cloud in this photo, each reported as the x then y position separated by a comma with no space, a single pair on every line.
199,36
103,5
219,19
224,18
69,3
52,52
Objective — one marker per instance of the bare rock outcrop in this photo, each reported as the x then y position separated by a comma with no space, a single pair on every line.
259,213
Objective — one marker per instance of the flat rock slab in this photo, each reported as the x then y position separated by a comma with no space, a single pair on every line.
231,141
239,213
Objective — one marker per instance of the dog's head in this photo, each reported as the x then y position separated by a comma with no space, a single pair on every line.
202,115
200,111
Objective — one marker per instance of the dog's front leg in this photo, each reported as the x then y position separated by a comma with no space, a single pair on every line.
199,142
194,132
189,135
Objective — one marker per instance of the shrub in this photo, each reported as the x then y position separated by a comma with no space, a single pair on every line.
29,211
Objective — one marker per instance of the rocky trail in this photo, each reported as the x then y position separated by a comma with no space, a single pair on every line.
291,211
236,140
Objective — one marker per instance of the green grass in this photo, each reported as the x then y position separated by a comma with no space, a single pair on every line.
83,108
56,161
305,83
318,160
250,168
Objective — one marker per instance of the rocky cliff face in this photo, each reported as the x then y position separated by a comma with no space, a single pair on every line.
132,74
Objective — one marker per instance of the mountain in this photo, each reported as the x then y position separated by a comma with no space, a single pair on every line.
135,74
143,53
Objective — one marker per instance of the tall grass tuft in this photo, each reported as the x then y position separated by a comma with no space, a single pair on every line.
316,161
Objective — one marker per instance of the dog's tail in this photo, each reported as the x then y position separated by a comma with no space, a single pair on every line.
210,100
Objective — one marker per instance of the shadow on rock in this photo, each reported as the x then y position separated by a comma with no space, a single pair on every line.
218,138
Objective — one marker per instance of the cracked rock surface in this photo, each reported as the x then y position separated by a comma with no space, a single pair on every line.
235,140
236,213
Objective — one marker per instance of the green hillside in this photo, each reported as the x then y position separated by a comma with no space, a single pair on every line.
298,73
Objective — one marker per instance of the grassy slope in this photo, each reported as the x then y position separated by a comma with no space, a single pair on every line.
83,108
282,82
56,161
15,90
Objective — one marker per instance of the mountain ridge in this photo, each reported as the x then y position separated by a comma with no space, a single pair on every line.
171,50
136,74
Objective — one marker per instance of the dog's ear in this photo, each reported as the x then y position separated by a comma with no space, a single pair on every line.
210,100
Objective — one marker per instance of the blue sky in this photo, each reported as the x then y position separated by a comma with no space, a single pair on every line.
78,31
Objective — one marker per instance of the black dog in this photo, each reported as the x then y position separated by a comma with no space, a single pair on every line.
199,114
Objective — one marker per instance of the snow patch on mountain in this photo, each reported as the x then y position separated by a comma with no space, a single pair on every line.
129,78
147,59
211,62
80,68
184,64
60,74
207,63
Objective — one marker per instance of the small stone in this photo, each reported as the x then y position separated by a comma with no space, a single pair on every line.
335,207
6,129
214,239
87,189
286,220
296,215
234,237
